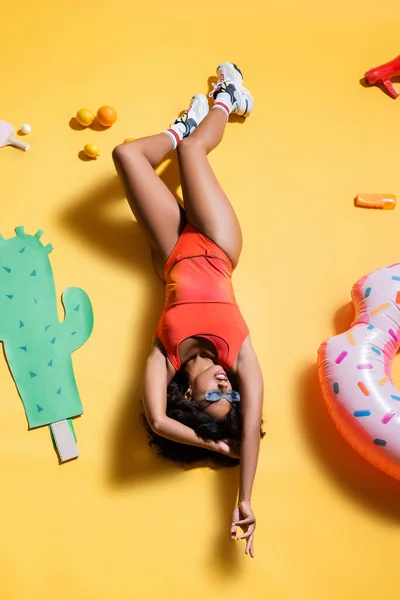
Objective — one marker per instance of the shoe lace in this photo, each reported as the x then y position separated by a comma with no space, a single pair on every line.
179,119
216,86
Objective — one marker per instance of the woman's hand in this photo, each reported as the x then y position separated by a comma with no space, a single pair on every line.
229,448
244,517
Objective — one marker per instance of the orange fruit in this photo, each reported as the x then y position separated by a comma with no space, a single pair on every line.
107,115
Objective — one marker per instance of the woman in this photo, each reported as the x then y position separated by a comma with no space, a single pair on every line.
202,342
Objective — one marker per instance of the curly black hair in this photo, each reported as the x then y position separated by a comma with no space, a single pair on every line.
190,413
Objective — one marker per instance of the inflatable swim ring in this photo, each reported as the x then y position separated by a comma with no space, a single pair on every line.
355,371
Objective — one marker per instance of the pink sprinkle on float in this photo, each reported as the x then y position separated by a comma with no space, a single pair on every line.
393,335
393,265
366,366
388,417
341,357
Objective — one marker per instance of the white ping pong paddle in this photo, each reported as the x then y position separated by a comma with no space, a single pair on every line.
7,137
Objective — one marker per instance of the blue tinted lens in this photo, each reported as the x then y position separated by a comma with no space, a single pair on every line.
213,395
233,395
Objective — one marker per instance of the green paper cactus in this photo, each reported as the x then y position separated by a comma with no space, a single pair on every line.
37,346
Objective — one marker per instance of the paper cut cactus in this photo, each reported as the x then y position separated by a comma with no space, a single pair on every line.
37,346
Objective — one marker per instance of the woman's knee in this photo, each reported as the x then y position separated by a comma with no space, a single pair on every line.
125,151
119,153
191,144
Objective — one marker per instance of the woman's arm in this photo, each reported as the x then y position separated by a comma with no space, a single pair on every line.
251,393
251,399
155,382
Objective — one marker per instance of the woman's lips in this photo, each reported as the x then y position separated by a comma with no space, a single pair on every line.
221,375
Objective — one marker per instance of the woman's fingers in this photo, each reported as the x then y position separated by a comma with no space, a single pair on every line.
246,521
223,447
249,546
250,525
246,535
227,447
235,517
234,450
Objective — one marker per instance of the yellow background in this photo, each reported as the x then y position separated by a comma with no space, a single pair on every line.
117,523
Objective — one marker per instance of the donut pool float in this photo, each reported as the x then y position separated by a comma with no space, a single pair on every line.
355,371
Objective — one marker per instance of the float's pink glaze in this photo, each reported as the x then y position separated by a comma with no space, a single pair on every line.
355,370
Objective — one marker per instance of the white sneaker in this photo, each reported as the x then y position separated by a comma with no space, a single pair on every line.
193,115
230,81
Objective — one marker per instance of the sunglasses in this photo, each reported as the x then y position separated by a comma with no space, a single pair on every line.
216,395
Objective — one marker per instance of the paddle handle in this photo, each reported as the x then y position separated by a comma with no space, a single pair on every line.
14,142
64,440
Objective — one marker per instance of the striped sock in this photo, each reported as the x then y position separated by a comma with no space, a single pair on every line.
184,125
175,133
223,102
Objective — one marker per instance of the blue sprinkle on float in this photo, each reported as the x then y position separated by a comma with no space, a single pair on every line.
379,442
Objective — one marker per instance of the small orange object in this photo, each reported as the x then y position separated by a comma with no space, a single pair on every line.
362,387
129,140
385,201
107,115
379,308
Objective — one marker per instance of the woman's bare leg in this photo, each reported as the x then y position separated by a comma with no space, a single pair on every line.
207,207
206,204
153,205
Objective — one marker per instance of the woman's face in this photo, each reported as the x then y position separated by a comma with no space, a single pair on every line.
212,378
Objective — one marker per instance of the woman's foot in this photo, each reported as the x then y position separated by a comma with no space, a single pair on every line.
185,124
229,93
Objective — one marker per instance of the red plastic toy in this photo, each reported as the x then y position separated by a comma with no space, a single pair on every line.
382,75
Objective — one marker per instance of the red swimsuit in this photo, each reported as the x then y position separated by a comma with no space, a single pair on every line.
199,299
